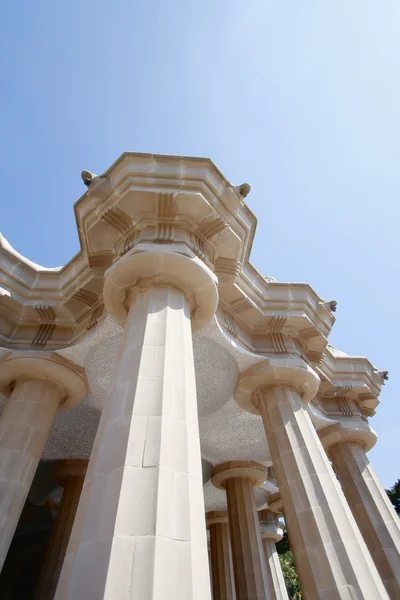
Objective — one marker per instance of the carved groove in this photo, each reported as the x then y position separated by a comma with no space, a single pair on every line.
45,312
227,266
241,304
306,334
277,323
95,316
117,218
165,232
279,342
211,226
197,246
86,296
166,206
344,406
315,357
230,323
44,334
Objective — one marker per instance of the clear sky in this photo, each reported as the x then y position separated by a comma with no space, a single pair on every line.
300,99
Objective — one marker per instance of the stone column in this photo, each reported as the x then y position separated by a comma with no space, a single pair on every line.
140,527
370,505
271,533
331,557
70,474
221,556
239,478
40,383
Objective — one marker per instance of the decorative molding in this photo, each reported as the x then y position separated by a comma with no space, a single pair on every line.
165,232
211,227
277,323
197,245
279,342
227,267
86,296
230,323
44,334
308,333
45,312
344,406
241,304
315,357
166,206
95,316
117,218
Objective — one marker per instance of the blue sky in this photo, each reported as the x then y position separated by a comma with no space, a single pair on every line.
300,99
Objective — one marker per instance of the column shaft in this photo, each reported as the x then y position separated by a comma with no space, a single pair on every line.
24,427
376,518
140,527
331,558
61,531
276,583
247,550
221,562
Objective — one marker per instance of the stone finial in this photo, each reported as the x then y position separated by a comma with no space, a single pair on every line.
384,375
243,190
88,177
330,305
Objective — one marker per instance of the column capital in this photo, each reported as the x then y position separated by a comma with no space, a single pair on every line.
49,366
269,525
216,517
283,371
239,469
172,265
356,432
275,503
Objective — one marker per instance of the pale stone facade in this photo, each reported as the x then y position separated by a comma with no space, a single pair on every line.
202,395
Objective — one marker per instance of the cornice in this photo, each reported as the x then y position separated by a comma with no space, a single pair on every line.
154,199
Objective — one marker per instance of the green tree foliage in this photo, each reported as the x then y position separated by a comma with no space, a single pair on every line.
290,575
288,568
394,496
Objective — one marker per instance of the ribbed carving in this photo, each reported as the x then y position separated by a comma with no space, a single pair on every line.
211,226
247,549
43,334
308,333
166,206
86,296
315,357
45,312
95,316
227,266
117,218
279,342
277,322
221,562
230,323
165,232
197,246
241,304
100,259
344,406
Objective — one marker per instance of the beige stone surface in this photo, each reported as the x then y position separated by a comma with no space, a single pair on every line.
271,532
140,527
331,557
238,478
24,426
371,507
222,577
